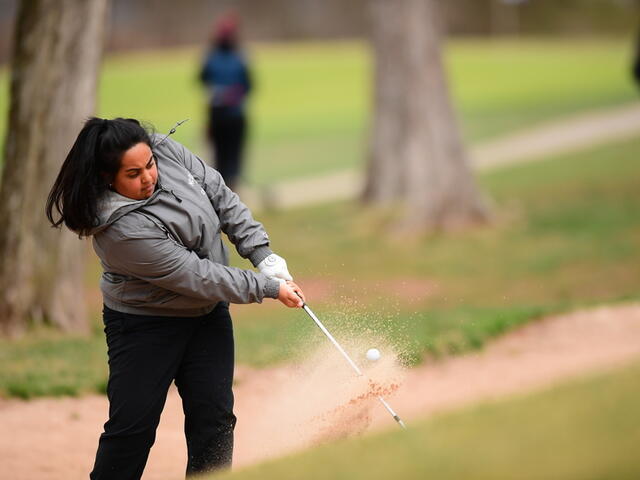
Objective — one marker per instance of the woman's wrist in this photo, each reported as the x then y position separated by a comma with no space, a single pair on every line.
259,254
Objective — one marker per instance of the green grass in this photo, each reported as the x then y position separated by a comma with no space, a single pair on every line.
587,430
565,236
47,363
312,100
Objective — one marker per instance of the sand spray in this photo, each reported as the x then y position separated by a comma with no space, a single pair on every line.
320,398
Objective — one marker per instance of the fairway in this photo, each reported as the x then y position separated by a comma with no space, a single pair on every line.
312,100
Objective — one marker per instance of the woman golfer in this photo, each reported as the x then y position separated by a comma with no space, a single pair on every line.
156,213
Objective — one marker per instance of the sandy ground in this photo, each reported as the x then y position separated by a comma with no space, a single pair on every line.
293,407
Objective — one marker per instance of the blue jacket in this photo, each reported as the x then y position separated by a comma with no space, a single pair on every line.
226,76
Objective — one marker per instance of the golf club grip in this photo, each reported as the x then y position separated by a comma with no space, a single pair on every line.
304,304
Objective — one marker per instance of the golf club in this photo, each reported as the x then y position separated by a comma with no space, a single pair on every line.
348,359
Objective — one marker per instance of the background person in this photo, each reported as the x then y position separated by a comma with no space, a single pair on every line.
155,212
226,76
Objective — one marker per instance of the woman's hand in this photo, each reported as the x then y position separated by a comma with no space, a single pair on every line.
291,295
275,266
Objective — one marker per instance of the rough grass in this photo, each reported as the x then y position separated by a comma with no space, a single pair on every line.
313,99
587,429
47,363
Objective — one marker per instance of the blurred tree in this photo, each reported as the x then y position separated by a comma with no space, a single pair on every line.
635,64
56,55
417,158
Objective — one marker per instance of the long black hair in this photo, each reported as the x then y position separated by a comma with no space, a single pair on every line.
89,168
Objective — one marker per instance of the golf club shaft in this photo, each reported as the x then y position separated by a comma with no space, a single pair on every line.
391,411
330,337
348,359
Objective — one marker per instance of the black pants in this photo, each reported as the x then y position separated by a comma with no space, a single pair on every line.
227,132
146,353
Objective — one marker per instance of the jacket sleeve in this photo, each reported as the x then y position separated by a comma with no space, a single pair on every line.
150,255
248,236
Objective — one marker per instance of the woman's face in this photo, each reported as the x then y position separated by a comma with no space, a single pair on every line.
138,173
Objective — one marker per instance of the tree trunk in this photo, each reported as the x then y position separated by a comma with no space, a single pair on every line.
386,148
56,57
417,157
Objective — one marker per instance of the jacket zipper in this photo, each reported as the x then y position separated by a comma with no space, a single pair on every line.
172,193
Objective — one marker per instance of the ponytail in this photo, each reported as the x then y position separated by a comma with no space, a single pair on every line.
90,166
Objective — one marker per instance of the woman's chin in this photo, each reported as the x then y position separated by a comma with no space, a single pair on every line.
146,193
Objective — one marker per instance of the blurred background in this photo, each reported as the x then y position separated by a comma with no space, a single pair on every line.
511,64
534,104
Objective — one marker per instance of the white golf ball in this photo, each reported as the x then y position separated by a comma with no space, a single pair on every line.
373,354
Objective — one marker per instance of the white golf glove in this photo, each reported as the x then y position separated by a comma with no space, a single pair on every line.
274,266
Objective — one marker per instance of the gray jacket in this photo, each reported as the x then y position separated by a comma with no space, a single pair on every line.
165,255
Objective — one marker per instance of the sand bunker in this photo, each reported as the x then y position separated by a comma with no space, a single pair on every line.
286,408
